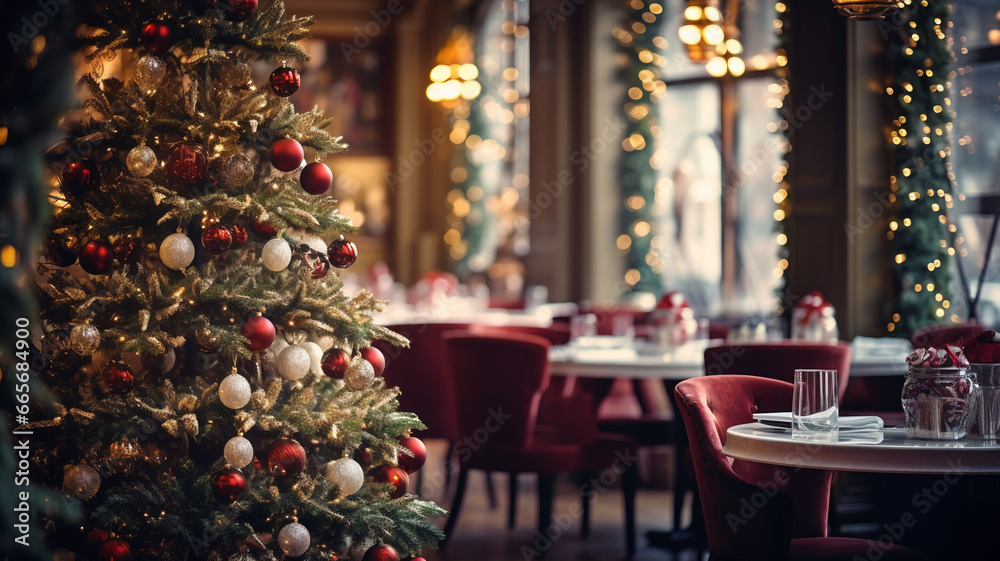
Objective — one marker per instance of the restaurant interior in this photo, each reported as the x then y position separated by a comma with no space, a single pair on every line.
678,279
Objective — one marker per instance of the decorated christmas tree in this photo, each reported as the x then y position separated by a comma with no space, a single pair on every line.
215,394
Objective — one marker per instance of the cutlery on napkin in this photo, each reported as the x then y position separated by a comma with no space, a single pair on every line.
850,422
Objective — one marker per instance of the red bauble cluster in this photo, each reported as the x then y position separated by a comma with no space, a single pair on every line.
216,238
80,178
285,81
286,457
381,552
263,229
416,461
229,485
58,253
97,257
239,10
187,164
375,358
286,154
157,37
316,178
395,476
240,236
125,248
114,550
260,333
335,363
117,378
342,253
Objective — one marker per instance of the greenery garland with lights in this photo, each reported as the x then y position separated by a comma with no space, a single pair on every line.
922,234
638,171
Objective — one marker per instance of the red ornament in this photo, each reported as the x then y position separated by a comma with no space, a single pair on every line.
96,536
125,248
396,476
114,550
285,81
321,265
57,253
187,164
286,154
216,239
342,253
157,37
260,331
381,552
79,178
117,378
416,461
239,10
316,178
286,457
240,236
229,485
335,363
375,358
263,229
97,257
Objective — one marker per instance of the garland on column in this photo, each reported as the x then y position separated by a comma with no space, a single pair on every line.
922,234
638,167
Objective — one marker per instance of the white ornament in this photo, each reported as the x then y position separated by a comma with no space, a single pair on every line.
149,72
238,452
315,357
81,481
141,161
177,251
294,362
346,474
294,539
234,391
84,339
360,374
277,254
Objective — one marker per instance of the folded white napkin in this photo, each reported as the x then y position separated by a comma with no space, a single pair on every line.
858,422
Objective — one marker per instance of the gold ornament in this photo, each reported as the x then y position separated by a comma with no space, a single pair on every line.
124,455
359,375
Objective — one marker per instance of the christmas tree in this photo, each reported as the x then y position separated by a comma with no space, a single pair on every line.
215,394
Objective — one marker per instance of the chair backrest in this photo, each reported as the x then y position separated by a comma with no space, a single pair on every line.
607,313
557,333
499,377
423,375
751,510
940,335
780,360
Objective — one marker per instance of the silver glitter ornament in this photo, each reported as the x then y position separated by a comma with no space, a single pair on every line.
141,161
149,72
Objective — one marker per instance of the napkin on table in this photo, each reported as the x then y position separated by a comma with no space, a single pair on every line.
851,422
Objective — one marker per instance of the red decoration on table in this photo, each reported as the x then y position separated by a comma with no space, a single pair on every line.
396,476
229,485
335,363
240,236
97,257
381,552
260,332
316,178
57,253
416,461
239,10
216,238
156,37
79,178
674,318
813,318
114,550
286,457
375,358
342,253
187,164
117,378
286,154
285,81
984,348
125,248
263,229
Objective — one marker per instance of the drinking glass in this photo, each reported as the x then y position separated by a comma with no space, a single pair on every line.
582,325
814,404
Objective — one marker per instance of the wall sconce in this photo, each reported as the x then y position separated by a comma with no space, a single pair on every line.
702,30
455,75
866,9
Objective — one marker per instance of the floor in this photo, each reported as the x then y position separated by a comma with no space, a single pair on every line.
482,534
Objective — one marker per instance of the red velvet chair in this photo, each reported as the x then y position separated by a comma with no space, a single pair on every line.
939,335
501,379
757,511
780,360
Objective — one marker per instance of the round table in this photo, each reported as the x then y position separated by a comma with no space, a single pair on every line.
886,450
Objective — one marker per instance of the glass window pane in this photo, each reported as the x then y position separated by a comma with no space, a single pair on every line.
977,23
689,194
757,33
